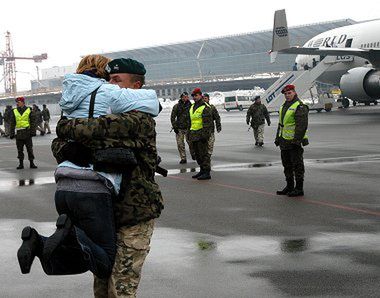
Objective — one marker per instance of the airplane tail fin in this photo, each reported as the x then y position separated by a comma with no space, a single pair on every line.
280,39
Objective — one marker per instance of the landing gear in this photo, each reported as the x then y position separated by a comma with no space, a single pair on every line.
354,103
240,108
345,103
375,102
367,103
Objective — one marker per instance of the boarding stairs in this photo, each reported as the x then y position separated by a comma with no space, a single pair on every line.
304,80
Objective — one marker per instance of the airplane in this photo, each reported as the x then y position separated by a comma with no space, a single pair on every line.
356,47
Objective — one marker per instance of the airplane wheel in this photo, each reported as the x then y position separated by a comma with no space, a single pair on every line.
354,103
367,103
328,110
375,102
240,108
345,103
319,110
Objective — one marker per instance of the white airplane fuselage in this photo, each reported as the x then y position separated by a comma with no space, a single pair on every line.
363,35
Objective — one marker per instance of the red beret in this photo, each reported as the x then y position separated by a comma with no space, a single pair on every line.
20,99
288,88
196,91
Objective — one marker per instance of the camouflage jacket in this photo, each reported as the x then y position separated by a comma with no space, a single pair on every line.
216,119
24,133
45,114
140,197
180,117
208,123
256,115
301,117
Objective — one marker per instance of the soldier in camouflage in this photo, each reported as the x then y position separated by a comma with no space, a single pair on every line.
180,120
201,124
140,200
256,116
291,136
216,120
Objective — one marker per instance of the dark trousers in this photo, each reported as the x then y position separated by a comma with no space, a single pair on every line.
292,161
200,148
91,245
29,148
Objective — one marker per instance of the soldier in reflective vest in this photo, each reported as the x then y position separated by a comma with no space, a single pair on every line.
23,126
201,124
291,136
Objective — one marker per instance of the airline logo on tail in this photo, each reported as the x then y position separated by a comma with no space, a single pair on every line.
281,31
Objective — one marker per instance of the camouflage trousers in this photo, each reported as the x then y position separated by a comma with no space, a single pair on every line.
211,142
7,127
133,245
180,137
258,133
201,154
292,161
47,126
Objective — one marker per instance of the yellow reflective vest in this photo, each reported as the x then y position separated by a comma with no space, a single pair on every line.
22,121
288,123
196,117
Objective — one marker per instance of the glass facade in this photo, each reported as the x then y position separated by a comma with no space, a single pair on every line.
230,56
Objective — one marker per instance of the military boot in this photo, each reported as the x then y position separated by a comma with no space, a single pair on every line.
21,165
32,246
288,188
298,191
205,176
32,165
197,175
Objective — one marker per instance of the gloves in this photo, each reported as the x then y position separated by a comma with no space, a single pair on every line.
276,142
247,122
218,130
12,137
268,123
77,154
176,130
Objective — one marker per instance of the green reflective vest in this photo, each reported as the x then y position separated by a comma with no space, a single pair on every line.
22,121
288,123
196,117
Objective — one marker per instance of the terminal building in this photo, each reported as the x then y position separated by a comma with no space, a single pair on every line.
216,64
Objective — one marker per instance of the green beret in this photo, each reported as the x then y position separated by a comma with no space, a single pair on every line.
122,65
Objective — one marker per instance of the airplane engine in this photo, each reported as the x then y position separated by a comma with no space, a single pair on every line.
361,83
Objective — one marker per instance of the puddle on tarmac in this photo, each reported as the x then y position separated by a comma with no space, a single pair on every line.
329,263
12,183
245,166
294,245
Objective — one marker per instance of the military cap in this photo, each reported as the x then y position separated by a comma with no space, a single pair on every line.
20,99
184,94
288,88
125,65
196,91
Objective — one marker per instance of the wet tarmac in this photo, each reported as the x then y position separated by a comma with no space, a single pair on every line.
231,236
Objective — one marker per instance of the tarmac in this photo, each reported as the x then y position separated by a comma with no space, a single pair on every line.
231,236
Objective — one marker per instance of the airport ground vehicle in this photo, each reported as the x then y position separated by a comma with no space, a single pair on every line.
236,101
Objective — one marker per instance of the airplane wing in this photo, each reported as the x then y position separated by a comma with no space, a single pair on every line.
280,44
370,54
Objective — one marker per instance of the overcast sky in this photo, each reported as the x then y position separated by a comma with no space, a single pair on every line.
68,29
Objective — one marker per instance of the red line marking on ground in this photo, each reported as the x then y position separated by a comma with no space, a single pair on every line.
315,202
